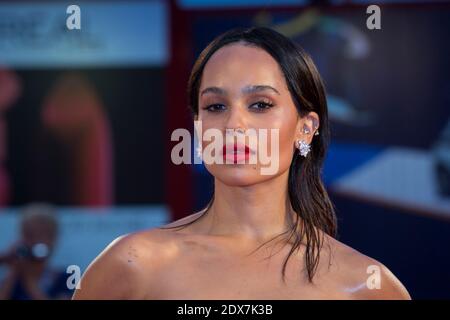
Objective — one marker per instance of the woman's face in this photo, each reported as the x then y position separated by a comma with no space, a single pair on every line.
243,87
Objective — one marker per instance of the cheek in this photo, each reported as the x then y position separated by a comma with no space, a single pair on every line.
209,121
208,128
286,147
286,124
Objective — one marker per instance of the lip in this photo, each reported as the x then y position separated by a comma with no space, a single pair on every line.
236,152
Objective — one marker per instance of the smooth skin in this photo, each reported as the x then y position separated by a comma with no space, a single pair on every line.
215,257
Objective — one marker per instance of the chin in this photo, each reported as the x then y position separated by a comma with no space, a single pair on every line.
238,175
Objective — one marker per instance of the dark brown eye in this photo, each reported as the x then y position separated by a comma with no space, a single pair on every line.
261,106
214,107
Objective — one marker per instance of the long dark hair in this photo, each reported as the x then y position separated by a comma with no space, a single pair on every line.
315,214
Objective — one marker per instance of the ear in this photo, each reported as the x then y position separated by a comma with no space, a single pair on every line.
307,126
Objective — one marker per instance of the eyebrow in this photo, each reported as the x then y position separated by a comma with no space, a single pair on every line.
246,90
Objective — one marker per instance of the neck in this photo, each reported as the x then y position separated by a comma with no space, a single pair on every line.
255,212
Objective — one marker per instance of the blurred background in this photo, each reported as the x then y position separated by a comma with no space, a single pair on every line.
86,118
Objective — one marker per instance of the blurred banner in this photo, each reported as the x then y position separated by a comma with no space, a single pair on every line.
81,110
113,33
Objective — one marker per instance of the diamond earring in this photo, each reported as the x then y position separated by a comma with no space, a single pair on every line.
303,147
316,133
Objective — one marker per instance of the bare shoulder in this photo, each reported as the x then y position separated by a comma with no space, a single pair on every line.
127,267
364,277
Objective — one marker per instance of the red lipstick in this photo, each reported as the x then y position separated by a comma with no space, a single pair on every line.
234,153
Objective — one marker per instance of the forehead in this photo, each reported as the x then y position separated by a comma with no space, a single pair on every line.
239,65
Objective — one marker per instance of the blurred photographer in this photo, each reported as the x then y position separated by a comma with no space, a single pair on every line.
29,276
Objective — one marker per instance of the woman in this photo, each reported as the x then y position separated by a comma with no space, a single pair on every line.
261,236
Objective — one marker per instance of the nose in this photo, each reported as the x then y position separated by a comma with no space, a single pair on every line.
236,119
